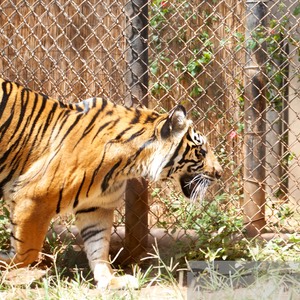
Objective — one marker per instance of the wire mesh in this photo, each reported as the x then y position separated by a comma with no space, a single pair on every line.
200,54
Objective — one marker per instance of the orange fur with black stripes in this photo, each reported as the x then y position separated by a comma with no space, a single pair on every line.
60,158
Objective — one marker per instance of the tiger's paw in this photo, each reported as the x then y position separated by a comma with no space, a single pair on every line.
107,279
118,282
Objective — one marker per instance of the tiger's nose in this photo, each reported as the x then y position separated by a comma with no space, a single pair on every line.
218,174
218,171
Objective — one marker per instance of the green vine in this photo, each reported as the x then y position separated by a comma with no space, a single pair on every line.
198,52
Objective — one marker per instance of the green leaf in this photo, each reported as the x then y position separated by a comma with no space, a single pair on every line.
296,11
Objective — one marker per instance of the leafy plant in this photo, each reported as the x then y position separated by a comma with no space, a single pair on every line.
296,11
4,226
215,224
190,63
277,249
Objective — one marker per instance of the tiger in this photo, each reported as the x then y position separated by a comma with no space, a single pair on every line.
60,158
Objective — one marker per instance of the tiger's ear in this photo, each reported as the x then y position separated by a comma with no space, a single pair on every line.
175,122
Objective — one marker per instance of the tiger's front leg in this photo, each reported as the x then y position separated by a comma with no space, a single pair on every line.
95,226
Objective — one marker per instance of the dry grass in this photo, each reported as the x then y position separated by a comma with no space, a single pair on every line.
157,282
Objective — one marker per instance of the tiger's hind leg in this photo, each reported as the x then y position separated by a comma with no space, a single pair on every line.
29,225
95,225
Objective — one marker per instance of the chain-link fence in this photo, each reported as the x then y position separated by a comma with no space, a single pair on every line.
233,64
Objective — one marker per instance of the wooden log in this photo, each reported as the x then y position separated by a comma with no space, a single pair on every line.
136,79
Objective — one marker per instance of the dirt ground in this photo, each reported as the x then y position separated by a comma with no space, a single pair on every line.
20,287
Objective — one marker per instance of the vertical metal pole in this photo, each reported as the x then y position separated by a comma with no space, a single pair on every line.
284,87
277,117
136,78
255,115
285,117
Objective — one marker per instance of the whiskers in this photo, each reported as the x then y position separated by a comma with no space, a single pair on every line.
199,185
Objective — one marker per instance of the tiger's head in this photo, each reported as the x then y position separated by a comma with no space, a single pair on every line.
193,165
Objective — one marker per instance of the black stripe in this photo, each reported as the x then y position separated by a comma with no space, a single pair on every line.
93,178
171,161
5,96
86,229
61,115
111,123
95,251
89,128
144,146
63,105
35,121
86,210
53,126
135,135
49,119
12,222
3,103
22,139
9,176
101,128
16,239
78,192
78,107
138,152
50,161
186,151
104,104
97,170
132,137
151,118
24,96
94,102
70,129
108,176
137,117
7,123
182,161
32,148
189,138
61,120
27,253
91,233
59,200
96,240
15,159
121,134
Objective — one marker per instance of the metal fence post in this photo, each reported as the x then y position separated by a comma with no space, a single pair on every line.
255,116
136,79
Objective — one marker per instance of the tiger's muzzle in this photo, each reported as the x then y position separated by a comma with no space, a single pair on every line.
194,186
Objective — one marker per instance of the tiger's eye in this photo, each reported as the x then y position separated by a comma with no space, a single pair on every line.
203,152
